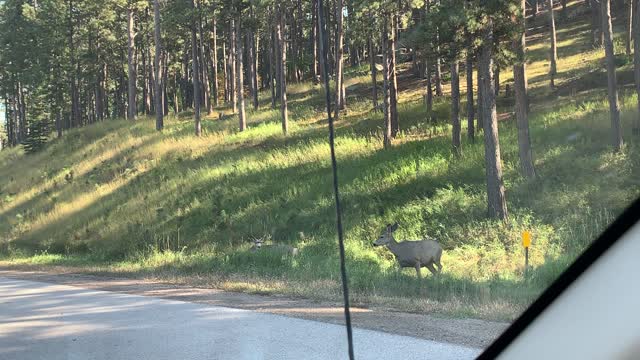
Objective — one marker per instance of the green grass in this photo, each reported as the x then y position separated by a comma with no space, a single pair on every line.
169,205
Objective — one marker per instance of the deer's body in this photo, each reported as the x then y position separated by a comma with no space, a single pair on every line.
415,254
258,245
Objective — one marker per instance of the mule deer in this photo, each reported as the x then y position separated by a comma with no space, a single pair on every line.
259,245
416,254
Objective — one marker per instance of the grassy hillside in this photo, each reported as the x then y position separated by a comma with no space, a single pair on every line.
120,197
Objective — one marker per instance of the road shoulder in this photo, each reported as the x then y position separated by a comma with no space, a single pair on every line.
467,332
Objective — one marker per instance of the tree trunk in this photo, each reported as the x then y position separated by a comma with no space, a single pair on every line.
17,130
11,132
273,69
374,73
328,28
386,86
596,23
343,90
239,77
497,205
480,126
629,31
196,73
262,67
205,87
176,101
150,80
12,116
393,86
352,49
339,58
429,95
121,89
520,85
314,41
553,69
98,86
455,108
249,68
232,66
187,91
10,122
104,96
13,120
158,77
105,93
21,113
225,67
17,110
496,80
99,93
254,68
145,84
58,122
132,108
88,110
277,55
471,133
296,40
438,69
214,60
75,96
614,107
293,43
282,50
203,55
438,78
165,81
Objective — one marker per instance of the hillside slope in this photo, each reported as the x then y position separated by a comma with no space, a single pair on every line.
119,196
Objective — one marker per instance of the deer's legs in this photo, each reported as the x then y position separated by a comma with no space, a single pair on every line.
418,270
439,266
432,269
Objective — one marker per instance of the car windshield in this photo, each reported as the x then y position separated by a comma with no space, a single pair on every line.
241,178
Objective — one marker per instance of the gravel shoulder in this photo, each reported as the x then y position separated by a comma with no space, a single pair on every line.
468,332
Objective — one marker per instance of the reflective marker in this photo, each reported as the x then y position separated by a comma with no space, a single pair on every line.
526,238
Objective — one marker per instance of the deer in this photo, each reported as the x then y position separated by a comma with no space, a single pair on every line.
415,254
259,245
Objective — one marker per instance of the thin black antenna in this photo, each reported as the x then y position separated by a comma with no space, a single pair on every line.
334,165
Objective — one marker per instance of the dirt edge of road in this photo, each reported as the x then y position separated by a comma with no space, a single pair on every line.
467,332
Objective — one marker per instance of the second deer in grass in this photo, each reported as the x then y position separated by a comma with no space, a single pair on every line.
284,249
415,254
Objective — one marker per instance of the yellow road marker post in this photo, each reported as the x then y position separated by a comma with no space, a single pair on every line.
526,242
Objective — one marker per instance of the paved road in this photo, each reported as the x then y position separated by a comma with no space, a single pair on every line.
46,321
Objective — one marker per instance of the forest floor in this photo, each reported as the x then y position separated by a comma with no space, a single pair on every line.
118,199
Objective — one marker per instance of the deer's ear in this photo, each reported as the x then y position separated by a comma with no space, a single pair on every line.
394,227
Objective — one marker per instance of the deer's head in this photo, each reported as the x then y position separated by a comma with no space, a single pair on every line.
257,244
387,235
